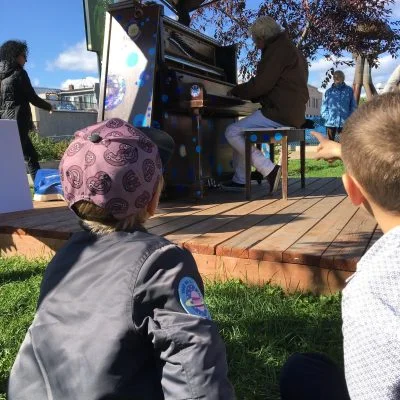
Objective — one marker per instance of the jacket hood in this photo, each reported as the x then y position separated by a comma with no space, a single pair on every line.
6,69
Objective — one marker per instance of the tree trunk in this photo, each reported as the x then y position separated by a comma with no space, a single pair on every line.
358,76
367,79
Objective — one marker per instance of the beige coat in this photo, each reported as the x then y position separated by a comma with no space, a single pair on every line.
280,84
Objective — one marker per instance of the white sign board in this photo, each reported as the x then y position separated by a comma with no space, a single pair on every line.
14,186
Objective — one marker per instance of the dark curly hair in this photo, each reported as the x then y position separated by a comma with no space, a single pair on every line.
10,50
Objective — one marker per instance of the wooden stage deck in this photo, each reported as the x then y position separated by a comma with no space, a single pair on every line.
312,241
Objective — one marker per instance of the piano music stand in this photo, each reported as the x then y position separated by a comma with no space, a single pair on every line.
284,136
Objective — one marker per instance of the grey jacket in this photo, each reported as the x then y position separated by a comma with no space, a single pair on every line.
120,316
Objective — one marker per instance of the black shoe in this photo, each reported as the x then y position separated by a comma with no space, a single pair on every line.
233,186
256,176
273,178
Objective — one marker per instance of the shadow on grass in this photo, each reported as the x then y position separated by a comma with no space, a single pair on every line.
261,327
19,276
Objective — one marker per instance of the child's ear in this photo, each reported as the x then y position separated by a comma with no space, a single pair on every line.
353,190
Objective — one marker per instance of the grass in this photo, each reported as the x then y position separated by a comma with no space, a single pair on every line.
19,289
261,326
316,169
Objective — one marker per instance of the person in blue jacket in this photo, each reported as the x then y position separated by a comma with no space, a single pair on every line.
337,105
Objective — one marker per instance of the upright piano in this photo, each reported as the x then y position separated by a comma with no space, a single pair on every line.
158,72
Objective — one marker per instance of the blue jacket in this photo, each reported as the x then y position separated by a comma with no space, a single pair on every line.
337,105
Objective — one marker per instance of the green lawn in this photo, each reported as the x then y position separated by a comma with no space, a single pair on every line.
261,326
317,169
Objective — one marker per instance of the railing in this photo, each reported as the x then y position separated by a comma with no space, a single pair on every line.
68,105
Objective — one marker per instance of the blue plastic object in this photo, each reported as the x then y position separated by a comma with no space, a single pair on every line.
47,185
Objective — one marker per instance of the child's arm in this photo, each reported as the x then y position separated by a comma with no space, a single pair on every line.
169,309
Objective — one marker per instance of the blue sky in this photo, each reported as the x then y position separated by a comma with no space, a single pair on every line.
55,32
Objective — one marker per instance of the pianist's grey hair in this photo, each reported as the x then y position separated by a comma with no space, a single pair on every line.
265,28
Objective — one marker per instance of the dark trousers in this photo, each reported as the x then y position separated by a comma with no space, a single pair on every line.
331,131
312,376
30,154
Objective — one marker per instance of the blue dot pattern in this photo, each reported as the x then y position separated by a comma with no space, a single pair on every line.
132,59
139,120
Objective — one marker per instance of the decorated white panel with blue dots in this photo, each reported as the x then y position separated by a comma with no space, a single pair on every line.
131,66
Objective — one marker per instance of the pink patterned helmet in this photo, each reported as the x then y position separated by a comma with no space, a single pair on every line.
114,166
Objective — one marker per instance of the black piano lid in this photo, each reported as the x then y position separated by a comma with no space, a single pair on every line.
188,5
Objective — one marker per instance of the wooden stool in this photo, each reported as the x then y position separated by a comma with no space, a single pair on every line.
284,136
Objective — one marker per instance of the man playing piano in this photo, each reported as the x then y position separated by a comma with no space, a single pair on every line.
280,86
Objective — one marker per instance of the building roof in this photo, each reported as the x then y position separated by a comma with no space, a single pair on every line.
43,90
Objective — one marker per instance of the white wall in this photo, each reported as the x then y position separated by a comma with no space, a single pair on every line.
61,123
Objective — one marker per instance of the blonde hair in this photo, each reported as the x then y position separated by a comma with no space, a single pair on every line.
99,221
265,28
370,149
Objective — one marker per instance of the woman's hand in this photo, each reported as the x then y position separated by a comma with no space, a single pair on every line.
327,149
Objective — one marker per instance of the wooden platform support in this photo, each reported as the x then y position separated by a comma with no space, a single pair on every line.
311,241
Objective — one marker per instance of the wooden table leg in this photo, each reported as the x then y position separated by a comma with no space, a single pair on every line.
247,147
303,163
284,167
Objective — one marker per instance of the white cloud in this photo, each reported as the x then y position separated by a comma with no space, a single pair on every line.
379,75
89,81
35,82
396,9
75,58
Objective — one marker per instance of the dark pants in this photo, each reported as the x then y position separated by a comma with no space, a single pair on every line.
331,131
312,376
30,154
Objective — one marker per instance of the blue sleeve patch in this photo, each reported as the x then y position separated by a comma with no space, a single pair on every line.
191,298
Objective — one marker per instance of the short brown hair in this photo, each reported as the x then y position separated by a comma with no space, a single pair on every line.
371,149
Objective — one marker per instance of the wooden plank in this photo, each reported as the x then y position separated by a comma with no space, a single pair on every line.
175,224
176,212
19,215
207,243
192,219
49,204
350,244
272,247
189,232
36,220
291,277
278,216
310,247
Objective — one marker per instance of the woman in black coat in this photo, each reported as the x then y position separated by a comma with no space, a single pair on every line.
16,92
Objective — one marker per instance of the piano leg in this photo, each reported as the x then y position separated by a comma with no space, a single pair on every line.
198,185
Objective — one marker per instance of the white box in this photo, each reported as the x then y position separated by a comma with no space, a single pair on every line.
15,194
